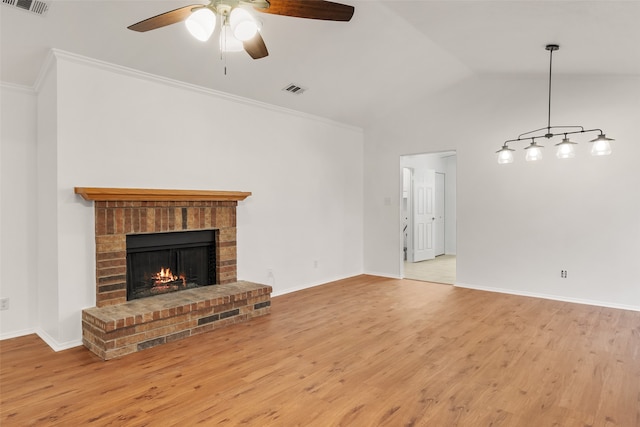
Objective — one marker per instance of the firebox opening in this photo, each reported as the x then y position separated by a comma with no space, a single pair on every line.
158,263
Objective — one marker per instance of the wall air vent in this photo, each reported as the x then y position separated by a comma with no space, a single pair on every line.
293,88
34,6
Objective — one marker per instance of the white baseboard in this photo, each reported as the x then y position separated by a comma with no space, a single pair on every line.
54,344
16,334
549,297
310,285
387,275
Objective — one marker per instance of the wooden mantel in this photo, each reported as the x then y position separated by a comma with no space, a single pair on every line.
158,195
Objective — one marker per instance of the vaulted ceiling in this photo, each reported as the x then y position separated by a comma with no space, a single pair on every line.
390,54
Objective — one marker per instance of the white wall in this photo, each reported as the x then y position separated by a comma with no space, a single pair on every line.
519,225
17,210
450,226
114,127
48,248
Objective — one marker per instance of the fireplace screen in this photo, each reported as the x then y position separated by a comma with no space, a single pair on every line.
158,263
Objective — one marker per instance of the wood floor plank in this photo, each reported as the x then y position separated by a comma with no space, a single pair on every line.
365,351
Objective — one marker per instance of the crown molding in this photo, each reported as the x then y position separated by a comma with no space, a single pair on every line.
18,88
57,54
47,66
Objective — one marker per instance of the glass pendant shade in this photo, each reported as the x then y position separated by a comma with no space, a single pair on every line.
566,149
201,23
505,155
243,26
534,152
228,43
601,146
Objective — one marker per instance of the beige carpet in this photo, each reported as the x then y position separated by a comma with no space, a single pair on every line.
442,269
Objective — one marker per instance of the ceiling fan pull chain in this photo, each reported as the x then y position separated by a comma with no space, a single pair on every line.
223,42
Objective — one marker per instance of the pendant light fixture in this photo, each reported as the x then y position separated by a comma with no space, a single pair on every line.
565,148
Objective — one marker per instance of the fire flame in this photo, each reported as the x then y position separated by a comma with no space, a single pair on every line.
166,276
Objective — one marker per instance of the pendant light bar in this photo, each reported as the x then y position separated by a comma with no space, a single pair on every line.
566,148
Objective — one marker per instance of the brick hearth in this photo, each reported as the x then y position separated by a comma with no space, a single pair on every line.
117,330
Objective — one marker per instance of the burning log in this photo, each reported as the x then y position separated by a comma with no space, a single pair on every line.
165,276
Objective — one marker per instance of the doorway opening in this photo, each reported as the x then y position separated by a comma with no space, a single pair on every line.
428,214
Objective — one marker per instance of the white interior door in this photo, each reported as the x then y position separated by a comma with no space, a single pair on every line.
423,214
439,210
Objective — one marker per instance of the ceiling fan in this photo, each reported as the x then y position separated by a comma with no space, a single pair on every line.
239,29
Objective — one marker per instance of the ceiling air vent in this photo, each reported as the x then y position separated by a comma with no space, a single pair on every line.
293,88
34,6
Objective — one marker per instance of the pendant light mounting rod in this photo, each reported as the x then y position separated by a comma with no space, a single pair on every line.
551,48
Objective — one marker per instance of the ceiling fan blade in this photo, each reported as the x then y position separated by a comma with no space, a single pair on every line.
165,19
311,9
256,47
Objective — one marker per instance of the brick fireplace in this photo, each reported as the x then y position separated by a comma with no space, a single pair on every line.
116,219
116,326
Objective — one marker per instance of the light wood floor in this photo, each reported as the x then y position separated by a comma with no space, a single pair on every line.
441,269
364,351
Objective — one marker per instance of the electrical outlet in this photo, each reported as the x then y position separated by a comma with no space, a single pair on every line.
315,263
563,274
269,272
4,303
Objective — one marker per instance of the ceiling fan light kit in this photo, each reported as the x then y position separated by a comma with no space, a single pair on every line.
243,26
201,24
228,43
245,29
566,148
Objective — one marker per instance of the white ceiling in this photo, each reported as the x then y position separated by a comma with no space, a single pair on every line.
391,53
